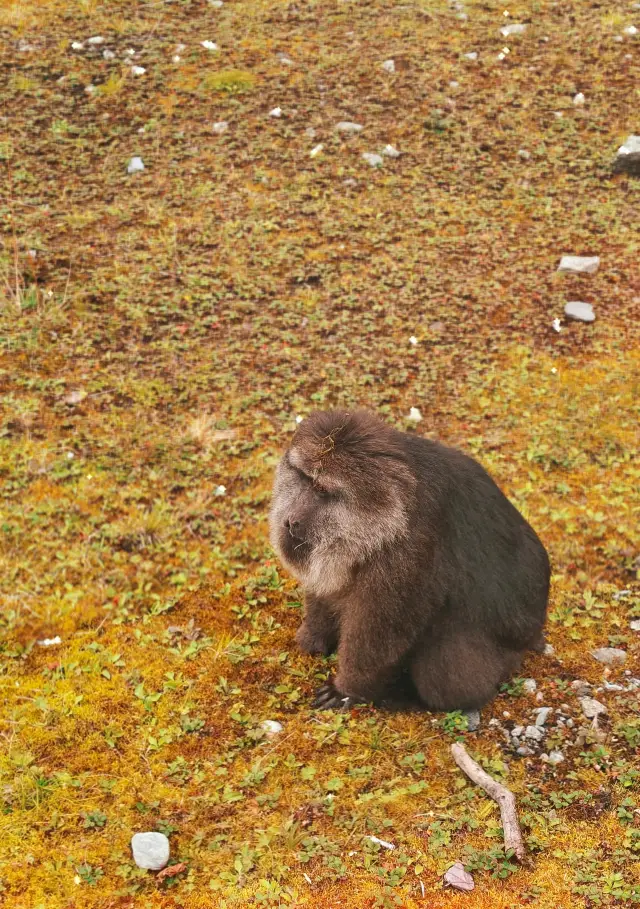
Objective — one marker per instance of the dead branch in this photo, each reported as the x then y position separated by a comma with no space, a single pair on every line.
504,797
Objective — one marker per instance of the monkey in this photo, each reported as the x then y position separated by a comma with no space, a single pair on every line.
414,565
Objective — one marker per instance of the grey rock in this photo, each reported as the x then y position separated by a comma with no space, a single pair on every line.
458,878
473,719
515,29
581,687
517,731
579,265
634,685
524,751
581,312
571,723
135,165
372,159
346,126
390,151
150,850
543,715
556,757
220,127
271,728
535,733
610,656
530,686
620,594
472,55
613,686
592,708
548,650
631,146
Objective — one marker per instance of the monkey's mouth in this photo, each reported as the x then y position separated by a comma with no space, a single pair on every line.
295,549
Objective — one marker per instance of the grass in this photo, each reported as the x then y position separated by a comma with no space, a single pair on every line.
154,355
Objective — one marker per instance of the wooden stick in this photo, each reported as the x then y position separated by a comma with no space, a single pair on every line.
504,797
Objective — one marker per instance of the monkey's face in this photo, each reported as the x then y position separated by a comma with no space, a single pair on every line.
335,502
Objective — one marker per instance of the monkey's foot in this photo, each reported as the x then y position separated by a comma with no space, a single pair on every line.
329,698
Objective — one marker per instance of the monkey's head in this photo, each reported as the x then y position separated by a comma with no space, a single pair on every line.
343,490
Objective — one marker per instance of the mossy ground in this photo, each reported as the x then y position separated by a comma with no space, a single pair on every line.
158,342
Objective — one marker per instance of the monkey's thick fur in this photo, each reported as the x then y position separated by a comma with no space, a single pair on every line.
414,564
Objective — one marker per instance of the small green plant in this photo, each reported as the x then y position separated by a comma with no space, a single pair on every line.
455,722
89,874
94,820
496,861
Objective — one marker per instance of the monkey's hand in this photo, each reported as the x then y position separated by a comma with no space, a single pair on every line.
314,642
329,698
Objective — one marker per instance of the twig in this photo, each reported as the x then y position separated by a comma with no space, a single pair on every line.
504,797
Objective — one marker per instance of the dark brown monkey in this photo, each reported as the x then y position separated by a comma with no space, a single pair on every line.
414,564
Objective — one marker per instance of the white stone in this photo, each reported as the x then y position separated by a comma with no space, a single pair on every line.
472,55
138,70
530,686
50,642
515,29
97,39
543,715
556,757
631,146
534,732
458,878
454,84
372,159
389,66
150,850
610,656
413,340
346,126
276,112
220,490
77,45
209,45
549,648
579,265
287,61
108,54
556,325
316,150
582,312
592,708
579,100
220,127
635,625
135,165
390,151
414,415
216,4
271,728
630,30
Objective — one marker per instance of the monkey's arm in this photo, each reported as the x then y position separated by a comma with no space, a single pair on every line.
319,630
374,641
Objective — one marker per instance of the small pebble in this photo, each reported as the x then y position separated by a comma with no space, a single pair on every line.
97,39
135,165
458,878
276,112
220,127
220,490
524,154
610,656
524,751
530,686
138,70
548,648
473,720
316,151
372,159
579,265
346,126
515,29
414,415
556,757
630,30
543,715
635,625
390,152
592,708
150,850
579,100
271,728
472,55
389,66
108,54
209,45
581,312
535,733
77,45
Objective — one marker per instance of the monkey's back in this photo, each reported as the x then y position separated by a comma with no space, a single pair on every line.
490,570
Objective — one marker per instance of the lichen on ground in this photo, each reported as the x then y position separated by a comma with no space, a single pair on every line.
160,332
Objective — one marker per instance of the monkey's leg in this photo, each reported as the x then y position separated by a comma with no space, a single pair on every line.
461,669
319,630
